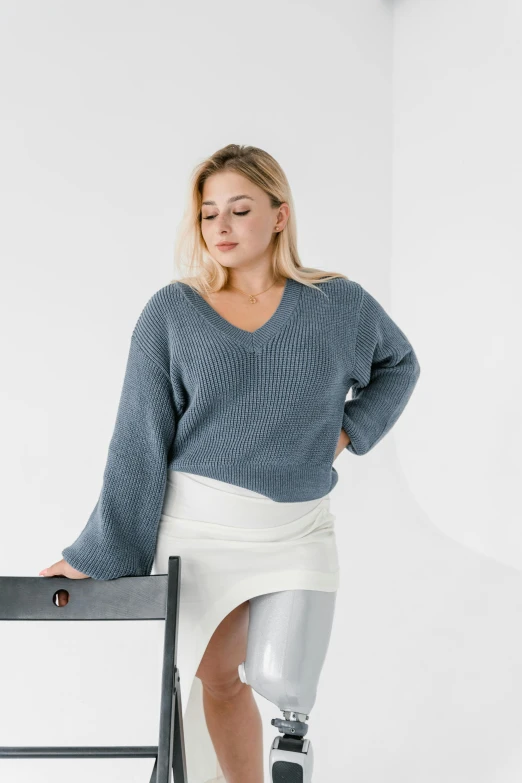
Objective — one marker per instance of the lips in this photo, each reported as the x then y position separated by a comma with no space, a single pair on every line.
227,244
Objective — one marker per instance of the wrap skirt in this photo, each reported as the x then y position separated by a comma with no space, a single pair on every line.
234,544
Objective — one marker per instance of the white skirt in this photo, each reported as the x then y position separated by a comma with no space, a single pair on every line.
234,544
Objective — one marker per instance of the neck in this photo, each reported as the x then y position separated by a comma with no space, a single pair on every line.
253,284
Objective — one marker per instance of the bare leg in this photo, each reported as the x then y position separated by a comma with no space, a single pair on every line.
231,713
234,724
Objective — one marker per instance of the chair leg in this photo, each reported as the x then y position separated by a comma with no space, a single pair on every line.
154,771
179,762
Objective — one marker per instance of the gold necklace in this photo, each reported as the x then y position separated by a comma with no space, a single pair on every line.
252,297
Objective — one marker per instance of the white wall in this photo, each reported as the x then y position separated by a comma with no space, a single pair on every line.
455,266
397,127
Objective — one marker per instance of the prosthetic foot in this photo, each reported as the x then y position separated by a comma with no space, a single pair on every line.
288,637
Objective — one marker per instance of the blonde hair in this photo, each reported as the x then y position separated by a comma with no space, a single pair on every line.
205,274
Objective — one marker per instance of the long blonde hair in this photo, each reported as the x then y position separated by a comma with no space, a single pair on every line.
205,274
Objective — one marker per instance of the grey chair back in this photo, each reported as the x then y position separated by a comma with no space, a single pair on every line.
154,597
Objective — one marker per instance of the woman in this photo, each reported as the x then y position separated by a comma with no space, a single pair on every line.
232,411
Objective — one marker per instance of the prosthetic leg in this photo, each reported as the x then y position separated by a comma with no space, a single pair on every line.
288,637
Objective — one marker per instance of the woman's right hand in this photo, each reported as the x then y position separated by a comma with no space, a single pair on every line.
344,440
62,568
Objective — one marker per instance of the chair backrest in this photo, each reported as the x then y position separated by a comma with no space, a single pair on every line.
154,597
60,598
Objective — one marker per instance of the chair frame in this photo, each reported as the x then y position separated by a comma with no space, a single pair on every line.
154,597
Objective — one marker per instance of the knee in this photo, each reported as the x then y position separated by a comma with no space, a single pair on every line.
223,689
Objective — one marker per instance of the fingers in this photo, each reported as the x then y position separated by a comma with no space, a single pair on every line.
51,571
62,568
57,569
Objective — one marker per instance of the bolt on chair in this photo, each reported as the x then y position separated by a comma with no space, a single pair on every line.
154,597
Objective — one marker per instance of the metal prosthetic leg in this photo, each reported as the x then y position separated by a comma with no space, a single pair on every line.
288,637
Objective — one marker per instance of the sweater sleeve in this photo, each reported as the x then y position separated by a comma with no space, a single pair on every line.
119,538
386,371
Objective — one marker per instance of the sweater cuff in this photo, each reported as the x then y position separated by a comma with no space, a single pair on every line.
90,556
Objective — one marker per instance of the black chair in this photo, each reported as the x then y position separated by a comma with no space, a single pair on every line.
154,597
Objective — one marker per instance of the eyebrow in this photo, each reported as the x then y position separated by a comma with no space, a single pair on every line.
232,198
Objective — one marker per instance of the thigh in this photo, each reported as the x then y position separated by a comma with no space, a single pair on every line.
226,649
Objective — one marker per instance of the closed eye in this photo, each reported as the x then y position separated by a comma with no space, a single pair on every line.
211,217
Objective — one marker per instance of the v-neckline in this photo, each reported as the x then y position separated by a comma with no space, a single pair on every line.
259,337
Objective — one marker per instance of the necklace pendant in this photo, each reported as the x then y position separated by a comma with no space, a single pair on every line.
252,298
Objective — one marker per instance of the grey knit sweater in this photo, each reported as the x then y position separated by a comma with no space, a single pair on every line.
262,410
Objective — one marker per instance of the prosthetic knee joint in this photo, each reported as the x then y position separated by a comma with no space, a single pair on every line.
288,637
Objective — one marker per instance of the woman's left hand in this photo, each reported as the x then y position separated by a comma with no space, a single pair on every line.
63,568
344,440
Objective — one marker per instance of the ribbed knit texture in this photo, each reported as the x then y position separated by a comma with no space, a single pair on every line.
261,410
